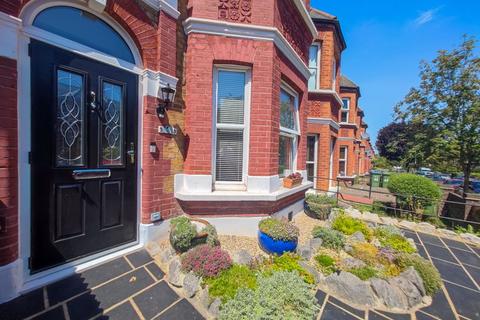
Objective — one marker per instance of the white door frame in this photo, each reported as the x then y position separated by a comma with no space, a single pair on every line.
315,159
25,33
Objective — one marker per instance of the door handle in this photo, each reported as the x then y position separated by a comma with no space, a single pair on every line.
96,107
131,153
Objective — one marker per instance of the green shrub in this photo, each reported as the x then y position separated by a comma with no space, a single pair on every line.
283,295
212,238
435,221
326,263
468,229
414,192
397,242
386,231
279,229
364,273
226,285
331,239
319,206
348,225
182,233
429,274
287,262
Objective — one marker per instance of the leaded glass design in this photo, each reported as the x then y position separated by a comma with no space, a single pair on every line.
112,124
70,119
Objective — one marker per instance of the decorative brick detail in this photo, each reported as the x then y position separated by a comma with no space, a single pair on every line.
235,10
8,160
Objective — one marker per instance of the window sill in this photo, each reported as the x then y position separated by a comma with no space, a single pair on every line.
224,195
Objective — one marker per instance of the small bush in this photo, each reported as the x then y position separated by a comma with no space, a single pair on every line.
279,229
349,226
386,255
364,273
365,251
226,285
182,233
390,271
212,238
206,261
386,231
283,295
326,263
319,206
414,192
287,262
332,239
426,270
397,242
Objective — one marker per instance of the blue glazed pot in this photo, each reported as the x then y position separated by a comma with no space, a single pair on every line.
275,246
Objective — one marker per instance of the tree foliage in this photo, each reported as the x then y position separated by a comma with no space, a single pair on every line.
393,140
446,107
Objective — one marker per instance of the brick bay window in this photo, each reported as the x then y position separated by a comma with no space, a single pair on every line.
289,131
230,114
313,66
344,113
342,161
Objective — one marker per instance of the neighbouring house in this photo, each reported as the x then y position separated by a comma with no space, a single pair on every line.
117,115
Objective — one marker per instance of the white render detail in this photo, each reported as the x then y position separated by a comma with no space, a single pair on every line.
263,184
332,93
153,81
9,27
326,121
97,5
167,6
255,32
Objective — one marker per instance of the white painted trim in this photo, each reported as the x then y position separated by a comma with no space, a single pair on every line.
153,81
348,124
263,184
245,127
10,280
343,160
247,31
329,92
9,26
346,139
315,157
325,121
26,281
167,6
224,196
306,17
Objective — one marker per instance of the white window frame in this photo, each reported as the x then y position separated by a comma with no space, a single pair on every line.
315,158
287,132
319,51
343,160
334,74
231,185
345,110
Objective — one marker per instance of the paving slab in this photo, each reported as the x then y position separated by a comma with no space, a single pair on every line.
331,312
155,299
181,310
466,301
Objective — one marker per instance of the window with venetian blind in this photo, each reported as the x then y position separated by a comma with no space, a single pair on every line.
230,111
289,131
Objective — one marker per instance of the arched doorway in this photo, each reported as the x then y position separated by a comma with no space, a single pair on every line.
84,128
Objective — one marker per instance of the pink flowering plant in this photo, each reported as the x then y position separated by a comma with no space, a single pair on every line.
295,176
279,229
206,261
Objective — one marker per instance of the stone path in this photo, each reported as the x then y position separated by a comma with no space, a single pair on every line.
132,287
127,288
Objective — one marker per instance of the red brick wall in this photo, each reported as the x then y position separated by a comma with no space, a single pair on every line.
269,68
8,160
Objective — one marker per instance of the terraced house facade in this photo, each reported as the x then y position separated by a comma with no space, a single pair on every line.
117,115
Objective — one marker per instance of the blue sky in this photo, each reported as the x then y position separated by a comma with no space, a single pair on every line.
387,39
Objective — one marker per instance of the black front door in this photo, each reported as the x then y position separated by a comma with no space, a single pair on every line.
83,156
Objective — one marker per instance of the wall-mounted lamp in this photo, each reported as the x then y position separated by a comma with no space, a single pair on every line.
167,99
153,147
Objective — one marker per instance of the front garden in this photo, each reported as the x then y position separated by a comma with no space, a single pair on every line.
275,276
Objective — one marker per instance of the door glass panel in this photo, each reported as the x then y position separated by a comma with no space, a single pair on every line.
112,126
70,119
310,148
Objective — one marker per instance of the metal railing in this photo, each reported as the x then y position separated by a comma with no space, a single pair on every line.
359,195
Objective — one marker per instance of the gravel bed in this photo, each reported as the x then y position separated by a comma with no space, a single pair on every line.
306,225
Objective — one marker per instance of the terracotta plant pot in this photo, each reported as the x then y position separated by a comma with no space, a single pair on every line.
292,183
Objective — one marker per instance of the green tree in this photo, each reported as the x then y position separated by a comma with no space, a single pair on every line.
446,104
